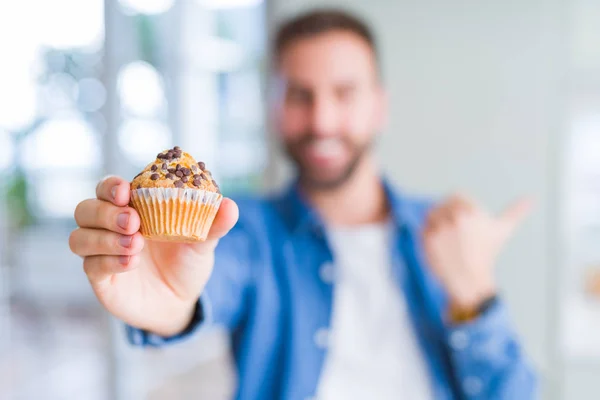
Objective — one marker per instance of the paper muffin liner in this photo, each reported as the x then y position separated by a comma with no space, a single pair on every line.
173,214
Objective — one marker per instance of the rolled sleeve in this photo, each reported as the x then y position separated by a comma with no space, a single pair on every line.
202,317
488,359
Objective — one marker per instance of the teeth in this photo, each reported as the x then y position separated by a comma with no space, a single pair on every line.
326,147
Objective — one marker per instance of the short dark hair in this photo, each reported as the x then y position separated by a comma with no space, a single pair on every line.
321,21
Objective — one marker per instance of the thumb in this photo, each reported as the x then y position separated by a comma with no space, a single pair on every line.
226,218
511,217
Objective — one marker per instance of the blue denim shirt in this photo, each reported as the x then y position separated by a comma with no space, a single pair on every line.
271,287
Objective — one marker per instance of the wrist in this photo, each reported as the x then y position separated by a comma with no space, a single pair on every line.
177,323
470,305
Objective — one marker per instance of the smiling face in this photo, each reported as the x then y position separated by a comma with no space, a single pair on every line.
333,106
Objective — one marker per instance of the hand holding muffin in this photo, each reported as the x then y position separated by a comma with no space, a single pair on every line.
148,267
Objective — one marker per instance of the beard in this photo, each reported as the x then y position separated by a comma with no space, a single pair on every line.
316,179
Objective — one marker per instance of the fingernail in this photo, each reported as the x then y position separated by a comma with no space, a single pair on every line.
125,241
113,191
124,260
123,220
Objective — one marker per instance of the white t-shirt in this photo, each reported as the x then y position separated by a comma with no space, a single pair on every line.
373,352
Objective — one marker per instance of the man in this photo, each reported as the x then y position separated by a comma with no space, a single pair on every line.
341,288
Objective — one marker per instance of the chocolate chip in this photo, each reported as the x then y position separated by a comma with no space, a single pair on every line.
186,171
171,170
170,176
139,186
179,174
164,166
197,182
201,165
214,183
203,176
160,156
178,167
177,154
154,177
177,148
184,179
154,167
178,184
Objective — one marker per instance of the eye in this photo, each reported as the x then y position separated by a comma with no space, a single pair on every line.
299,96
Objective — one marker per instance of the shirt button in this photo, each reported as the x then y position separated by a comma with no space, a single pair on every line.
459,340
472,385
321,338
326,272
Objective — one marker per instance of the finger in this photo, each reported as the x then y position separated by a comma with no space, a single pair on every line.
451,207
461,202
435,218
436,211
225,219
512,216
99,214
93,242
101,268
113,189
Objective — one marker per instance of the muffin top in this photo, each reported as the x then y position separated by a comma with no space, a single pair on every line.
174,168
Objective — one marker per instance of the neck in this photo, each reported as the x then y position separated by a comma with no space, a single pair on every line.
358,201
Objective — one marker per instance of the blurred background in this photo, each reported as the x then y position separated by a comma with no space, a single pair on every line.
497,98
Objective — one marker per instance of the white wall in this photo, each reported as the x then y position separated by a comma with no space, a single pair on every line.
477,101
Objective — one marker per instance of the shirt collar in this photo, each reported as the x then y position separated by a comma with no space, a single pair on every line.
300,216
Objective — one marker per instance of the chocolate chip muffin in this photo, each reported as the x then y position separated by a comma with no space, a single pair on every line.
176,197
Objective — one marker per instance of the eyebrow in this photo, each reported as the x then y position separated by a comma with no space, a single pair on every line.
344,85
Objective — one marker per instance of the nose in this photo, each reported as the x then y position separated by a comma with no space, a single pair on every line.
324,118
